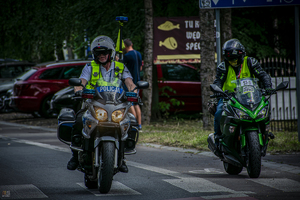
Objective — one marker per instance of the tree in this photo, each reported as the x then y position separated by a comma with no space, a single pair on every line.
147,94
207,66
225,23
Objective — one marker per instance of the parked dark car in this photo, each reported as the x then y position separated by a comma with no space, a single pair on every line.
34,94
183,78
10,70
9,73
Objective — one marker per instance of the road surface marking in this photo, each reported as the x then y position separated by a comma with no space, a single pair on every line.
117,189
207,171
27,191
192,184
183,177
283,184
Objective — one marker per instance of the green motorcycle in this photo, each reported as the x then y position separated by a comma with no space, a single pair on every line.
245,125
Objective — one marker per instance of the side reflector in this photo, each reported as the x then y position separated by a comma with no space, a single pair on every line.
87,96
132,99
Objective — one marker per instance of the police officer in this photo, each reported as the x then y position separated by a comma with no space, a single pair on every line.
236,65
102,66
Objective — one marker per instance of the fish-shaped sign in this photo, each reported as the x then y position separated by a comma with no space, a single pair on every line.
170,43
168,26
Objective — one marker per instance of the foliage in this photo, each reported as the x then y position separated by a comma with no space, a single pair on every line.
164,107
31,29
265,31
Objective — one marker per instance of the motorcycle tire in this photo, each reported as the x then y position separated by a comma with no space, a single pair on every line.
45,107
90,184
231,169
106,170
254,164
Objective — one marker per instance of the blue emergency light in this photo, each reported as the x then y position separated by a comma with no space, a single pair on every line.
122,19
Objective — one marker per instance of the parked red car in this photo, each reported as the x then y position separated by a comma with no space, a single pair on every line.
34,94
185,80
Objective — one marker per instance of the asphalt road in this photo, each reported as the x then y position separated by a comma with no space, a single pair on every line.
33,166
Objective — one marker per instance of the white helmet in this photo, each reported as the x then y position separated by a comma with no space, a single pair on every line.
102,44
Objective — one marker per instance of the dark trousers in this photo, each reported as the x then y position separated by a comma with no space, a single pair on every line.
76,131
218,116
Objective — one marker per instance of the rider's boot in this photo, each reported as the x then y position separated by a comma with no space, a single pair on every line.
123,167
217,151
73,162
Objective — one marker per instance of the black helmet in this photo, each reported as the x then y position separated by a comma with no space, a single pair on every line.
103,44
232,50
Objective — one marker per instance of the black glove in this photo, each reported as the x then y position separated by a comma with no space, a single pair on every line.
218,94
269,91
78,93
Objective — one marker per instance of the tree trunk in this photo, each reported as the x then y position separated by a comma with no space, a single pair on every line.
147,94
155,112
225,23
208,65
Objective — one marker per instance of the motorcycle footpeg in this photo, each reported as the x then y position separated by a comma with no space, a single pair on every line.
271,135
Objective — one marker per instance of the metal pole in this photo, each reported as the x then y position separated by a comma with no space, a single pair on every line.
121,30
86,47
297,52
218,38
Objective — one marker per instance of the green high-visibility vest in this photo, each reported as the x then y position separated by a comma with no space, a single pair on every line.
97,75
231,76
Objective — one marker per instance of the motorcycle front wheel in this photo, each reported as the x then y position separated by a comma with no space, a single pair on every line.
106,169
254,164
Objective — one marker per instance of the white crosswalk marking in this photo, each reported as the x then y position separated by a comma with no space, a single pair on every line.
284,184
184,181
207,171
117,189
201,185
27,191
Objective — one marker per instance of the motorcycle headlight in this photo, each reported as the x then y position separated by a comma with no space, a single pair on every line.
117,115
101,114
262,113
242,114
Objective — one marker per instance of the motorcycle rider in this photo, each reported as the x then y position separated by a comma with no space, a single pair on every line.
236,65
103,65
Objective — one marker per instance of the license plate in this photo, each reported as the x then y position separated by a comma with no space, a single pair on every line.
247,89
246,82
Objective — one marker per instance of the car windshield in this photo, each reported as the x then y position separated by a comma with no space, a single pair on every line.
248,92
110,88
26,75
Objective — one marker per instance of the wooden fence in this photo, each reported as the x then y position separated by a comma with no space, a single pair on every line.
283,104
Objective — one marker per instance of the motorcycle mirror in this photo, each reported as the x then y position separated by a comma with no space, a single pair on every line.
75,82
215,88
142,85
282,85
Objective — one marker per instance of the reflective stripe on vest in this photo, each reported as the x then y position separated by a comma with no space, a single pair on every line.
96,73
231,76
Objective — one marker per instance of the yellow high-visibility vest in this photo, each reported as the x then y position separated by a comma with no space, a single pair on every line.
231,76
96,74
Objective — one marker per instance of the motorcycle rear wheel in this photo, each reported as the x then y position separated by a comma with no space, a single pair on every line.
231,169
106,170
254,164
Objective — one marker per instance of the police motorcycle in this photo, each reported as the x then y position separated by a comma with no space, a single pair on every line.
107,126
245,125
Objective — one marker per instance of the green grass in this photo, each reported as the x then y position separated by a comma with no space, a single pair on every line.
190,134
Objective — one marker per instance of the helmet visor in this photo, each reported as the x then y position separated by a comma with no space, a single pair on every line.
101,51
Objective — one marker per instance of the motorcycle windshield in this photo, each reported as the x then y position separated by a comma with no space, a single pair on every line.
110,88
248,92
